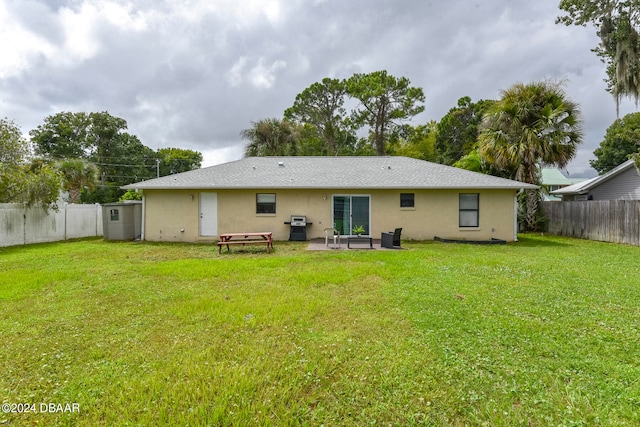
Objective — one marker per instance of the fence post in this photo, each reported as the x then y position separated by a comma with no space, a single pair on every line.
97,214
24,223
66,207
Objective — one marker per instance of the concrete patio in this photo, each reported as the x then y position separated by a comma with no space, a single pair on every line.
318,245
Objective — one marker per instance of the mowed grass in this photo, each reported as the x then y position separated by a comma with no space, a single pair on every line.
542,332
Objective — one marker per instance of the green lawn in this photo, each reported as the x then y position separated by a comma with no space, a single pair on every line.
542,332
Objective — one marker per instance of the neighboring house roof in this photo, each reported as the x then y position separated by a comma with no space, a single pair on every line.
585,186
553,176
577,180
329,172
553,179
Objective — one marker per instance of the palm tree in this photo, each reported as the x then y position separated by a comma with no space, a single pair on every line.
270,137
531,125
76,175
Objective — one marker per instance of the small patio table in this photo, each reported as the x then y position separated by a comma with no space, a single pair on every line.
359,239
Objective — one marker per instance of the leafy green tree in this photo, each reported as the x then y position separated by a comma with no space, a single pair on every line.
101,139
13,148
77,174
21,181
472,162
42,185
617,23
130,195
385,101
176,160
531,125
417,142
63,135
106,136
271,137
457,132
621,141
322,106
309,141
121,159
125,159
13,152
476,163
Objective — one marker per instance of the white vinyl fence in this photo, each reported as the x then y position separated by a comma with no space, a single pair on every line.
21,225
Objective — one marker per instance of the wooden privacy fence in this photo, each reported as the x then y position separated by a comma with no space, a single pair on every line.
616,221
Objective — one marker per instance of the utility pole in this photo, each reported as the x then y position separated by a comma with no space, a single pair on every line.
158,168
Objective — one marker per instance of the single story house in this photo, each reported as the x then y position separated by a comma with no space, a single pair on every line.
257,194
622,182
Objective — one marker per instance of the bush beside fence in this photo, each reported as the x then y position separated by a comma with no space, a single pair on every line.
21,225
616,221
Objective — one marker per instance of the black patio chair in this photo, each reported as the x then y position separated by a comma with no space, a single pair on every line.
391,239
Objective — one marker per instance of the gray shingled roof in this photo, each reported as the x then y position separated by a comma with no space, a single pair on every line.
329,173
584,186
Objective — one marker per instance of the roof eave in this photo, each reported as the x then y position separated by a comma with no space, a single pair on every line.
350,187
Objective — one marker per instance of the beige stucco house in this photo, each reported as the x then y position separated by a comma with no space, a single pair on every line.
259,194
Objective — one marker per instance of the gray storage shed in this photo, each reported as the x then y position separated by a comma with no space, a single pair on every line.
122,221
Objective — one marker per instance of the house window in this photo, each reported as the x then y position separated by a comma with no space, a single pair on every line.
114,214
407,200
265,203
469,210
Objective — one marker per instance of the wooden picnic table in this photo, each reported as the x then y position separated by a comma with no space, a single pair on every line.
227,239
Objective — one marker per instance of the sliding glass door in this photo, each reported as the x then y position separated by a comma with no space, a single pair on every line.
350,211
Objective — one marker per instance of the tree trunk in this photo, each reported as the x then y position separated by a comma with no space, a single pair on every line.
380,127
531,204
74,194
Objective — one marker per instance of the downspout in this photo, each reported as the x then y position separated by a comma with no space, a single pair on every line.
515,215
144,204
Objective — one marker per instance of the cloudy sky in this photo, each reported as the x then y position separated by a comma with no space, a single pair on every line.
194,73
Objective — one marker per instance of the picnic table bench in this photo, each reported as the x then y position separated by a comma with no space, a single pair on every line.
253,238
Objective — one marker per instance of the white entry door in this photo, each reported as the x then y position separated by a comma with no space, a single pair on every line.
208,214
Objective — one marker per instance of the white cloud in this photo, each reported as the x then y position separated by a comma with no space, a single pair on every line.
235,74
264,76
123,16
261,75
194,73
239,14
82,28
80,42
19,46
217,156
22,47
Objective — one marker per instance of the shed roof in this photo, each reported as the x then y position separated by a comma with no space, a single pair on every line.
328,173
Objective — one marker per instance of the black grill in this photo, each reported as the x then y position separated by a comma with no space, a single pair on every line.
298,228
